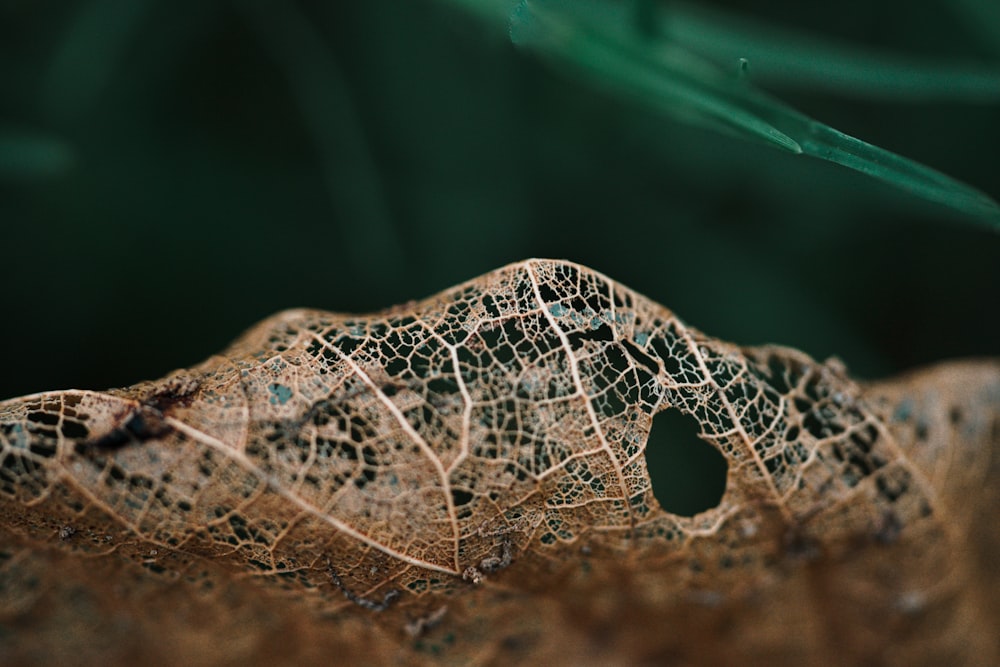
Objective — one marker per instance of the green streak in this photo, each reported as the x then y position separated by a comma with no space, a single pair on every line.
794,59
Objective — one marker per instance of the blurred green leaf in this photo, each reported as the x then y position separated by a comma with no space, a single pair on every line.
982,17
27,155
323,97
94,45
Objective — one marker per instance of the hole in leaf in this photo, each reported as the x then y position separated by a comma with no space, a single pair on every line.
460,498
687,473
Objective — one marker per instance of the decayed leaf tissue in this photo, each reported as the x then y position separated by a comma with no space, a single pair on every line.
462,480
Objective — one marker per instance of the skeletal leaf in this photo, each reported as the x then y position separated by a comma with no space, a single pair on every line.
462,480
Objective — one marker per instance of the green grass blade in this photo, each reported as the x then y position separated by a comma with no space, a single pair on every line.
659,75
601,42
829,144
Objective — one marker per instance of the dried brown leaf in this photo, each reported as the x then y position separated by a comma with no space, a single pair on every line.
463,480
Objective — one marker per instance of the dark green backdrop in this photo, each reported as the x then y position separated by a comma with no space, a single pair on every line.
172,172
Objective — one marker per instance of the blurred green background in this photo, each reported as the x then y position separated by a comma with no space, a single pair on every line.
170,173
